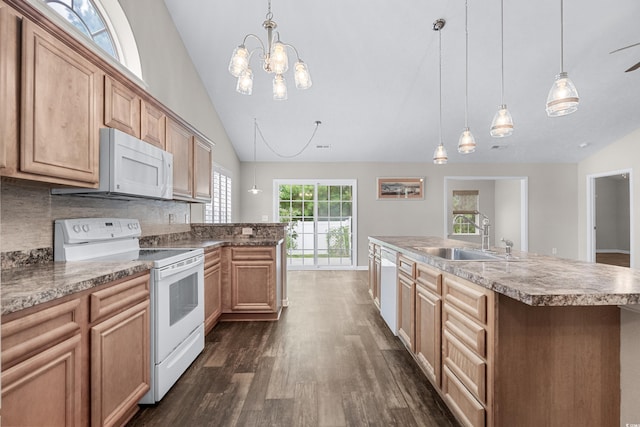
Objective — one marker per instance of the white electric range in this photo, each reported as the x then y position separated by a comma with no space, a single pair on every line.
176,289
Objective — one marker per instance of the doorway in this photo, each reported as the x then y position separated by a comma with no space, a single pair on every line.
609,228
321,217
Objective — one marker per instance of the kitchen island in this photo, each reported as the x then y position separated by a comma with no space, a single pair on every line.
528,340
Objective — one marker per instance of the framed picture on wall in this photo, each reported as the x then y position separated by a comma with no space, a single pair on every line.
400,188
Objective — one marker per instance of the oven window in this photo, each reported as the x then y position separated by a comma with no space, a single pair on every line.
183,298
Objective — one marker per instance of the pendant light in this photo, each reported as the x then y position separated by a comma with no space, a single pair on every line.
563,97
466,143
440,154
254,190
502,124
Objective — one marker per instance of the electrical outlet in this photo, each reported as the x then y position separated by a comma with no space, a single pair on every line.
247,231
265,218
172,218
186,218
554,251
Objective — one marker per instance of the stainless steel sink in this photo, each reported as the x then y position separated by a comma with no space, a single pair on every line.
460,254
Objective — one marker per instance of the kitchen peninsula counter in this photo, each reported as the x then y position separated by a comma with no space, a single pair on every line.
535,280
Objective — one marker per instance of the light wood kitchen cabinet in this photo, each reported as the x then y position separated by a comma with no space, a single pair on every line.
428,321
253,275
79,360
42,356
121,107
60,100
212,288
406,301
202,170
372,271
120,350
9,84
153,124
375,273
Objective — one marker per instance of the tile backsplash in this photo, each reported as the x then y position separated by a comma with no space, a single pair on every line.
28,211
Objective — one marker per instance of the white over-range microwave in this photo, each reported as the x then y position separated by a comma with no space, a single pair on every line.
129,168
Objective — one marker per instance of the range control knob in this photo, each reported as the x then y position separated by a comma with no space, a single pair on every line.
130,226
85,228
76,228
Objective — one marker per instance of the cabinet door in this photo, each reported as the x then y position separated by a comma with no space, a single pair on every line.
120,365
202,169
428,332
406,310
253,286
45,390
121,107
9,85
212,289
60,110
180,144
153,125
372,273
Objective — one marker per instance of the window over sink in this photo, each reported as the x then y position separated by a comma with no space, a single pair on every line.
465,205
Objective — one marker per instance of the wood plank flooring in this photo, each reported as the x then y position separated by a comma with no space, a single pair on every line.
614,258
329,361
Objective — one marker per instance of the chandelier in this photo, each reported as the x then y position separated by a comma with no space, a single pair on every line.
274,61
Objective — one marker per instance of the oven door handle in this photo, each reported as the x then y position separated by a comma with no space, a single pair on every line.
180,267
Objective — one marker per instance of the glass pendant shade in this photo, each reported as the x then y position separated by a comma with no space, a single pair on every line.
440,155
279,88
466,143
239,62
502,124
302,76
254,190
245,82
279,62
563,97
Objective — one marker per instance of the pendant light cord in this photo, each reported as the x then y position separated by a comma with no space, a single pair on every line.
440,81
502,50
255,166
466,65
561,36
284,156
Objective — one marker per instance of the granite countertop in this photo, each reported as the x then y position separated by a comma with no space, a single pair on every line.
532,279
24,287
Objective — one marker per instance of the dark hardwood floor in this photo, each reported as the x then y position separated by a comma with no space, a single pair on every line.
329,361
614,258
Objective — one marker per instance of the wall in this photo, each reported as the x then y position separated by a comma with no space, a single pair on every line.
508,211
172,78
552,198
623,154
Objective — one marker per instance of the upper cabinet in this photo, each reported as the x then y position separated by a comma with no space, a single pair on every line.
60,100
192,163
56,93
121,107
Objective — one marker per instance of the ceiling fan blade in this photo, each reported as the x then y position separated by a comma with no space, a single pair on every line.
626,47
635,67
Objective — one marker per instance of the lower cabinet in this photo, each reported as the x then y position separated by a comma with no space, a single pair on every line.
406,309
81,361
212,289
428,323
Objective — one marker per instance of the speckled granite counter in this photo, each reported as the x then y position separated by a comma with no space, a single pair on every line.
24,287
210,244
535,280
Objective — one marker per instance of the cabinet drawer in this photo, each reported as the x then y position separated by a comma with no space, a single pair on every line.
468,410
253,253
469,332
108,301
468,367
31,334
212,258
406,266
467,297
429,278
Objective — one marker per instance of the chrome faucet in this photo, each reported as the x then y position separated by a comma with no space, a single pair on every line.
484,229
508,244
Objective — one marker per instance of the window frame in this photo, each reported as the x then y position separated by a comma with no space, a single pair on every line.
472,215
222,212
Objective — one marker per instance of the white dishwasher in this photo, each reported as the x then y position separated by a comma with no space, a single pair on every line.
388,289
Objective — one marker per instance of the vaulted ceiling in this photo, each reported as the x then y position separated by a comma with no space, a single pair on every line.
374,66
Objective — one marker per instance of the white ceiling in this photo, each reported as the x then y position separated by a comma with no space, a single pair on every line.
374,66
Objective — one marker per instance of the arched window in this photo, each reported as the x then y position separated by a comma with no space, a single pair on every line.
84,15
103,22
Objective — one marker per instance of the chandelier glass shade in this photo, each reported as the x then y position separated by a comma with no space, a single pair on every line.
275,60
563,97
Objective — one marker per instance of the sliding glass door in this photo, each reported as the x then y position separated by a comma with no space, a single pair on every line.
322,222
